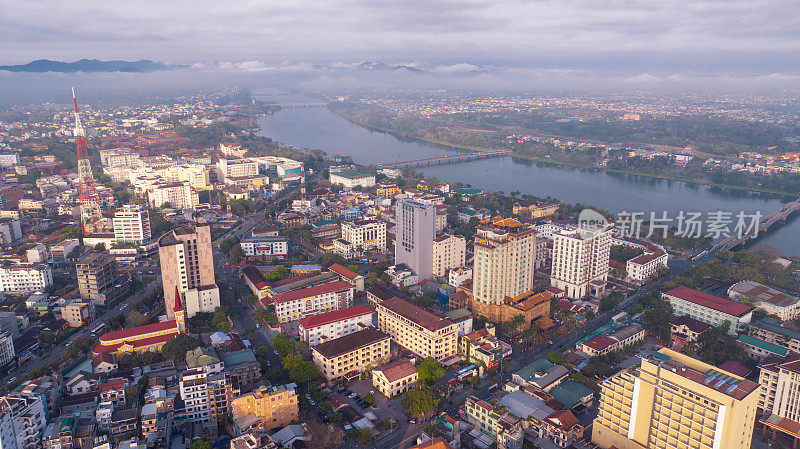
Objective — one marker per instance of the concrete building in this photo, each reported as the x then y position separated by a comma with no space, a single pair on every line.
708,308
237,168
414,233
78,312
449,251
296,304
178,195
276,247
769,329
674,401
331,325
352,354
774,302
422,332
207,393
580,261
395,378
365,235
459,275
614,341
25,278
10,230
643,267
780,381
187,262
483,346
132,225
99,279
349,276
352,178
9,159
272,407
22,421
196,175
505,251
242,366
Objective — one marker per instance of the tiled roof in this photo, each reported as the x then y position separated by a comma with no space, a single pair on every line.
397,370
140,331
691,323
436,443
349,274
334,316
255,277
312,291
600,342
416,314
710,301
349,343
761,344
136,343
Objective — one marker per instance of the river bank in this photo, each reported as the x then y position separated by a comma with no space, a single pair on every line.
544,160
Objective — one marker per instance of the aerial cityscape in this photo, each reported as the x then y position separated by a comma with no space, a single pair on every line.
399,226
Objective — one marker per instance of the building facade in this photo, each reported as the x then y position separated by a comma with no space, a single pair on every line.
505,251
415,230
273,407
25,278
98,277
297,304
395,378
331,325
132,225
352,354
188,263
276,247
178,195
708,308
449,251
674,401
365,235
580,261
418,330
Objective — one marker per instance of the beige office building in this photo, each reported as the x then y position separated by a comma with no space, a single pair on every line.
274,407
505,252
352,354
580,261
422,332
672,401
449,251
365,235
187,262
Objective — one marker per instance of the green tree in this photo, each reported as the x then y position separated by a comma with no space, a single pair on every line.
556,358
420,399
177,348
236,256
369,398
201,444
304,372
283,343
430,370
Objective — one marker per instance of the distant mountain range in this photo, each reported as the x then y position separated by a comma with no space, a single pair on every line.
374,66
90,65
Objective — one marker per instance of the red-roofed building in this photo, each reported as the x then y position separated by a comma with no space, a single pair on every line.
297,304
256,282
350,276
643,267
708,308
598,345
114,391
327,326
147,338
395,378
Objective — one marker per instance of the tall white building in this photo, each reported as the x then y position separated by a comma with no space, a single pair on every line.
580,261
180,195
9,159
196,175
132,225
505,253
449,251
235,168
23,419
25,278
414,233
10,230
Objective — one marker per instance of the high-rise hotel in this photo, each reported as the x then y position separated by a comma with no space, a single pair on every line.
580,261
505,252
673,401
188,264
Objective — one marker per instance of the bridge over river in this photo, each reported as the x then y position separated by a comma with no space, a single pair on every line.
766,222
446,159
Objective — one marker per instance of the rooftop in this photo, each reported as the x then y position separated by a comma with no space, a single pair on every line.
397,370
308,292
710,301
416,314
349,343
334,316
761,292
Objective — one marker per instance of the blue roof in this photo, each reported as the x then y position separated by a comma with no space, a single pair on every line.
570,393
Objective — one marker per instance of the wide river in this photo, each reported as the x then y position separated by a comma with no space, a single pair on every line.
321,128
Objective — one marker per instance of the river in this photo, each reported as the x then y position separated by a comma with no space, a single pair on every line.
321,128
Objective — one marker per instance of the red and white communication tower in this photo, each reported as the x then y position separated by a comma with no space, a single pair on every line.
91,215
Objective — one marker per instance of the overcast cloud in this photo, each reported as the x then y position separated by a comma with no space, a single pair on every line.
515,32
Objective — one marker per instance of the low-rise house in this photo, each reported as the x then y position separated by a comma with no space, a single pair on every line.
243,367
124,421
395,378
349,276
113,391
81,382
686,329
613,342
483,346
760,349
774,302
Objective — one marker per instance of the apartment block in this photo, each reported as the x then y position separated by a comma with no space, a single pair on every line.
352,354
449,251
770,330
505,251
331,325
22,421
236,168
132,225
296,304
78,312
25,278
187,262
708,308
351,178
178,195
674,401
414,233
273,407
580,261
774,302
424,333
780,382
10,230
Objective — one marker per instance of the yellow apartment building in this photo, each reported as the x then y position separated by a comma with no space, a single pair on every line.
424,333
274,406
352,354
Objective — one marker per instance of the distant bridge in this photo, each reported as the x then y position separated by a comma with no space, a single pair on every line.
766,222
446,159
302,105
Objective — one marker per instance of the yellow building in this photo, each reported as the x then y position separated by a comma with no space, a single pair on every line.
674,401
505,252
274,407
352,354
395,378
387,189
422,332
